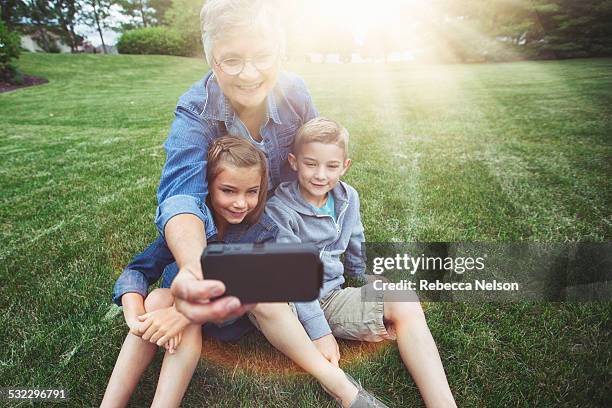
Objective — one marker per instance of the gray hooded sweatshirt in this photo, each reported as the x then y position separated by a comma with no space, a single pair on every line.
298,222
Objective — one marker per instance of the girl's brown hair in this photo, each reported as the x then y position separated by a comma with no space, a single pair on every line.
240,153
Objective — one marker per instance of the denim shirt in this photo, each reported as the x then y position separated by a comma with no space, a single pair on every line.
146,268
203,114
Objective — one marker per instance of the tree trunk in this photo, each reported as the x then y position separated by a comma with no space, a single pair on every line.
142,13
8,7
72,14
95,12
37,19
64,24
43,35
73,37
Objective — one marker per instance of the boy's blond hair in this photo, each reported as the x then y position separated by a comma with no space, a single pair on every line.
322,130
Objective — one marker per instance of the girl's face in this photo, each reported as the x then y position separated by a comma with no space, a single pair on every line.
234,193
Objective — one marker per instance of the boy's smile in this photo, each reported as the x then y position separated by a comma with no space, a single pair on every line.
319,167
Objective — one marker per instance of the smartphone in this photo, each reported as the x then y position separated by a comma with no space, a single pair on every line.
265,272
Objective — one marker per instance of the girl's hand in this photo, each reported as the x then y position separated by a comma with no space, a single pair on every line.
162,325
133,305
172,345
134,325
328,346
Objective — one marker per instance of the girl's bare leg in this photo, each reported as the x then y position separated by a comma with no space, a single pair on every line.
419,352
284,331
178,368
135,356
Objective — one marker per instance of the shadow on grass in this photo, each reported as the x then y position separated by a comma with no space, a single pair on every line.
254,354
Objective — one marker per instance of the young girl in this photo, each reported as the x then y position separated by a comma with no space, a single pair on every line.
238,179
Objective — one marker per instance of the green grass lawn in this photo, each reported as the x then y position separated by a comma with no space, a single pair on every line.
501,152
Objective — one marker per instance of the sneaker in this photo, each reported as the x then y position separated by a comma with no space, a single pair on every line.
364,399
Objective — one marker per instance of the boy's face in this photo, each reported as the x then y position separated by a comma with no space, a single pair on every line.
319,167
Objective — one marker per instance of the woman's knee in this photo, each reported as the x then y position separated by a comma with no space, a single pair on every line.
159,299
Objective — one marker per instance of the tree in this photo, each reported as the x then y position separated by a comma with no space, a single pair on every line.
159,8
9,51
95,14
41,17
66,12
573,28
12,11
184,17
140,12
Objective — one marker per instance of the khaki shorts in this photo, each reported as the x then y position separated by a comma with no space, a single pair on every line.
353,319
349,317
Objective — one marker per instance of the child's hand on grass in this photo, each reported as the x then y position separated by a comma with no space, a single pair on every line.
328,346
162,325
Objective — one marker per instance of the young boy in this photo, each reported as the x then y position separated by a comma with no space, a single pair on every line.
319,208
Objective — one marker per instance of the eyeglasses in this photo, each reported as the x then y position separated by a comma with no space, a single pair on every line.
235,66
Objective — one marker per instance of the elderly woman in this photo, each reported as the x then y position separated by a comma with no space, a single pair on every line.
245,95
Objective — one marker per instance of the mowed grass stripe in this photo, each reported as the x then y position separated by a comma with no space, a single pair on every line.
559,152
53,183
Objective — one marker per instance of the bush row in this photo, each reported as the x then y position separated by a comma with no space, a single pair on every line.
154,40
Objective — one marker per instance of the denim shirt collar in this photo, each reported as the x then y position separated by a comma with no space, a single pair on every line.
265,229
218,107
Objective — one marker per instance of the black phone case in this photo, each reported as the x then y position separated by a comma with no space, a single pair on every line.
265,272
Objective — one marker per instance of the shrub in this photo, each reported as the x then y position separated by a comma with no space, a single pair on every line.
10,47
153,40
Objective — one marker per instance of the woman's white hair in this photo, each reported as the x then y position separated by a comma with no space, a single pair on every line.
223,18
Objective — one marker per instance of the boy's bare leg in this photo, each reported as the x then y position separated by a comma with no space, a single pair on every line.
135,356
284,331
178,368
419,352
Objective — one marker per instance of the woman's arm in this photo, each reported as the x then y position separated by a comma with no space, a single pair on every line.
183,186
186,240
185,237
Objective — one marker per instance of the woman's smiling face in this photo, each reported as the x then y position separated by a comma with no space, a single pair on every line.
248,89
234,193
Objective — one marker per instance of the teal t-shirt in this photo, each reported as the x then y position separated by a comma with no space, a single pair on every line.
328,208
